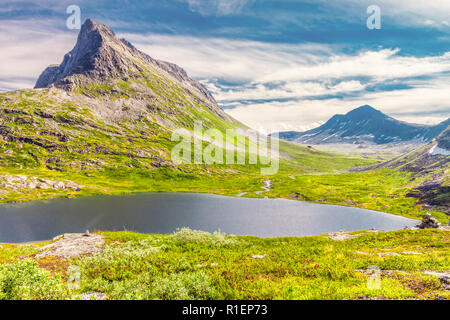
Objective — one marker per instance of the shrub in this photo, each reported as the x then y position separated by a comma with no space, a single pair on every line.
217,239
176,286
24,280
122,261
184,286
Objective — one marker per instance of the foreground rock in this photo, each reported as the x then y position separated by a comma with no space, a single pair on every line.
444,278
71,245
428,221
343,235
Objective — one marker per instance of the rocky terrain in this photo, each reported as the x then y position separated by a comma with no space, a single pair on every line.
430,172
20,182
72,245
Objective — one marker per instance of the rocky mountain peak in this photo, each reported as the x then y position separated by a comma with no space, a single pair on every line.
100,56
97,54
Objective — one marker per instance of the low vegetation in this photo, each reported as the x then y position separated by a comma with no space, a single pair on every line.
197,265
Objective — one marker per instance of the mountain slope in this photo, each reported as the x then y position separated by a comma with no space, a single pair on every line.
430,166
107,105
365,125
104,118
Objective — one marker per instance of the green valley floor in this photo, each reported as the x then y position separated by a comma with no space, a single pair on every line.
411,264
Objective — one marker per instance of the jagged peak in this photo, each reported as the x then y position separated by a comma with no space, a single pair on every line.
87,56
99,55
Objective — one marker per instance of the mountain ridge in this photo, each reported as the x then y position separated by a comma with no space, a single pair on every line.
366,125
99,57
99,54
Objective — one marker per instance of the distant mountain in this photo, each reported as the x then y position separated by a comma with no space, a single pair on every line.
366,125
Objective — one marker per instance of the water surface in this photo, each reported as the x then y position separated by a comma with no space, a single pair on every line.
165,212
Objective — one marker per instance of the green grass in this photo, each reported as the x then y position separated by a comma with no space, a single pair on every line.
198,265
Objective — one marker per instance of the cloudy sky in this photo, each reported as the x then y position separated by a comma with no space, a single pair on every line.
273,64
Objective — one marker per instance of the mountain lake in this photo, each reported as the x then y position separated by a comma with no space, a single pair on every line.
165,212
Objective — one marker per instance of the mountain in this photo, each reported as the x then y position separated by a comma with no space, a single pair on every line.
365,125
100,57
444,140
107,105
429,165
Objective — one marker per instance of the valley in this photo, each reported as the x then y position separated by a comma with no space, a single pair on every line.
90,147
102,122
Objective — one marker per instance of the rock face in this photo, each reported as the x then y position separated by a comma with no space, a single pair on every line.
444,278
428,221
99,54
444,140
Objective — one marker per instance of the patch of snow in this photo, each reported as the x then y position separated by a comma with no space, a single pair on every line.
439,151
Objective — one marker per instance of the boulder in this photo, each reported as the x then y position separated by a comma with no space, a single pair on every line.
428,221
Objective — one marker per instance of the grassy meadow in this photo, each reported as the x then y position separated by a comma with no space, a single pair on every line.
198,265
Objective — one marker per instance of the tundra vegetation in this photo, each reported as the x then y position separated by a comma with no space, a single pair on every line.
198,265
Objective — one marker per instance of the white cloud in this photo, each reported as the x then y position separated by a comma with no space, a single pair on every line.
28,47
239,60
380,65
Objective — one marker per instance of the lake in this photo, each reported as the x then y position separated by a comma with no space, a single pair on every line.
165,212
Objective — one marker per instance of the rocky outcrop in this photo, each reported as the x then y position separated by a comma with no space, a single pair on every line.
48,76
343,235
70,245
428,221
19,182
444,278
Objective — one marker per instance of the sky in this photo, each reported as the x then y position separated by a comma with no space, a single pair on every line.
275,65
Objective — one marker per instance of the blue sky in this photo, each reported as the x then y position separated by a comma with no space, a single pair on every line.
273,64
